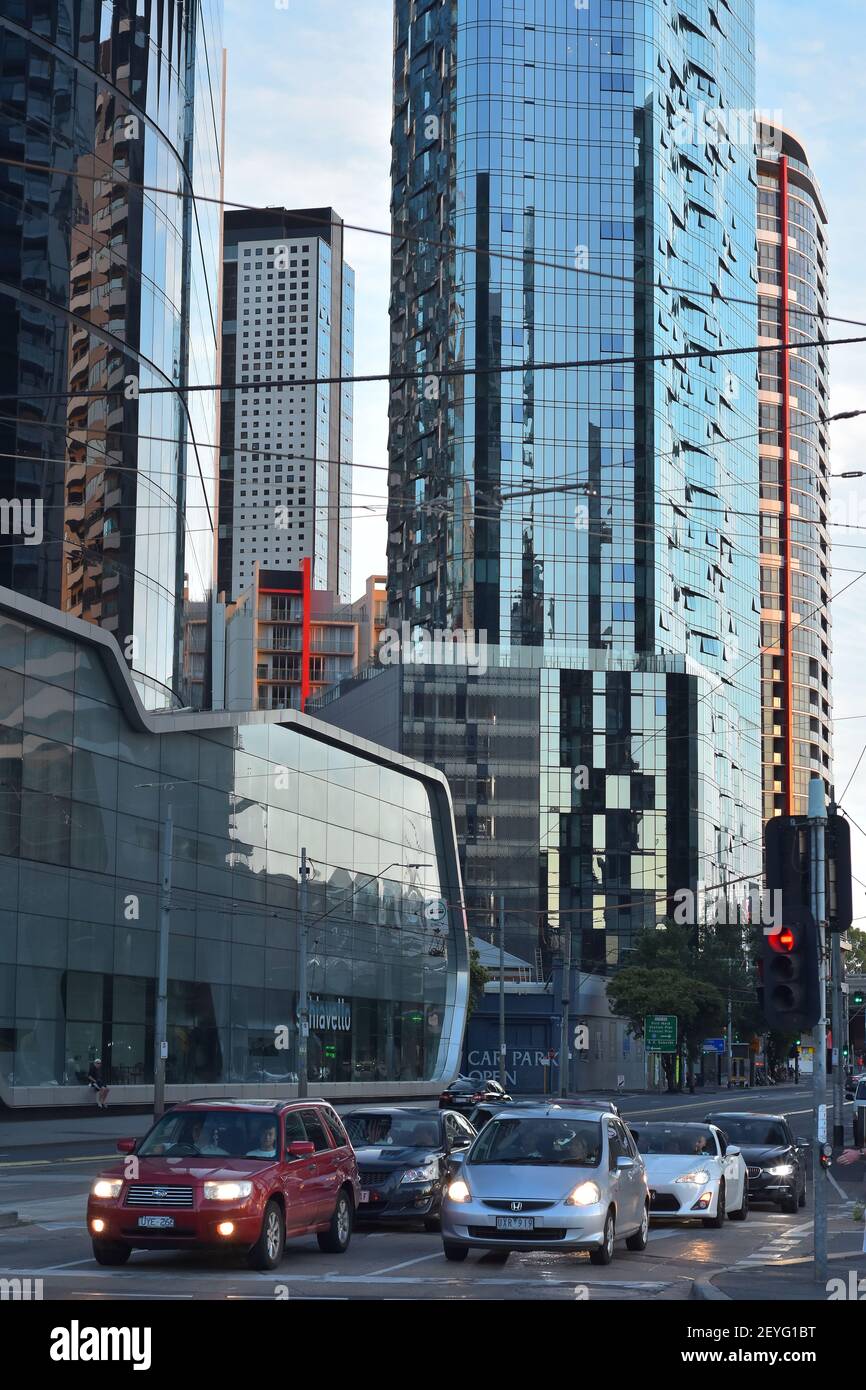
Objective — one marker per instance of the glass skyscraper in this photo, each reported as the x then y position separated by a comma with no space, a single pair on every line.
108,310
575,184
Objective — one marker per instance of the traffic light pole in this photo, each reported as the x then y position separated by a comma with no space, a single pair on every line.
839,1041
502,1043
566,1008
817,881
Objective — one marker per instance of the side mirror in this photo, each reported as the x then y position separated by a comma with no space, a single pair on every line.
301,1148
623,1162
731,1151
126,1146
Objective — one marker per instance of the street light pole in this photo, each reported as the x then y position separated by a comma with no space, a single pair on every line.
160,1039
566,1005
817,866
303,1003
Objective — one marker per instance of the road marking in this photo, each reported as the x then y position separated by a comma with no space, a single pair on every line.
278,1276
437,1255
54,1162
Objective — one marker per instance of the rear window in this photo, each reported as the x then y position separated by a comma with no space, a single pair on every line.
861,1091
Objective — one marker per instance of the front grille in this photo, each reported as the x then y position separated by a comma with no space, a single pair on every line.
664,1201
523,1206
169,1196
754,1172
540,1233
373,1177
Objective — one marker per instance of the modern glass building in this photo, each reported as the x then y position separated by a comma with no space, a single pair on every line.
576,185
87,778
795,478
285,445
108,310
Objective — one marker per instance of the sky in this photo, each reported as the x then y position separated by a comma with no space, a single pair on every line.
308,124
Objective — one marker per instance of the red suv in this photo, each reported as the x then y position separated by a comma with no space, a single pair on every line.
229,1174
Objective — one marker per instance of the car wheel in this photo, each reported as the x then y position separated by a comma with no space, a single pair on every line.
453,1251
717,1221
640,1239
267,1252
335,1241
744,1209
604,1254
801,1200
106,1254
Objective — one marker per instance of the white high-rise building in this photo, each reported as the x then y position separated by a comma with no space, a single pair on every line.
286,441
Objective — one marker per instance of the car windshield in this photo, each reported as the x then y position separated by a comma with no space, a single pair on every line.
675,1139
415,1131
212,1134
545,1141
743,1129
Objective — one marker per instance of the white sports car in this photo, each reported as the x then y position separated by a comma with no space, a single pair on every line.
692,1173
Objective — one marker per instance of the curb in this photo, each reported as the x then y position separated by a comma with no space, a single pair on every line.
704,1289
8,1218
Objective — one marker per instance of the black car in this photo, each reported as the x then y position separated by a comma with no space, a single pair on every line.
487,1109
464,1094
403,1160
775,1160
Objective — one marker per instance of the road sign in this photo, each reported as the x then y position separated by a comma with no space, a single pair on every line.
660,1032
713,1045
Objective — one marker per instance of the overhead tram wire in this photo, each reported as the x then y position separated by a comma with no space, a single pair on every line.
113,175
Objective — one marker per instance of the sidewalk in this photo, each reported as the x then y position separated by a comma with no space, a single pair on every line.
84,1127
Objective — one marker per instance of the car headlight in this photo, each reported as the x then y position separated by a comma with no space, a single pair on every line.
781,1170
107,1187
428,1173
227,1191
458,1191
586,1194
698,1176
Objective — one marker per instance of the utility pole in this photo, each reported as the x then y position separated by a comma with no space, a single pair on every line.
817,881
566,1006
160,1039
729,1041
502,1052
836,968
303,1003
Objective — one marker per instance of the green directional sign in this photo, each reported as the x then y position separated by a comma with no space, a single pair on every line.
660,1032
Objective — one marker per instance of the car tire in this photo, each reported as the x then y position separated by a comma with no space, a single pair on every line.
453,1251
716,1222
801,1200
267,1253
743,1211
105,1253
640,1239
604,1254
335,1241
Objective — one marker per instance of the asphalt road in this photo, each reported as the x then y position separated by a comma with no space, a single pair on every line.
47,1184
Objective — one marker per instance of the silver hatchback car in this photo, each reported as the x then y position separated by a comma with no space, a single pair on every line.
551,1177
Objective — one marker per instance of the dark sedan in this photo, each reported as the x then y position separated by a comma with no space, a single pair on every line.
479,1116
403,1159
464,1094
775,1160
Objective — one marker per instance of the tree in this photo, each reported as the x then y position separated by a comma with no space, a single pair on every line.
478,978
638,990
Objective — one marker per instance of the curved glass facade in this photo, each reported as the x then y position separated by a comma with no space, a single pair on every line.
87,780
578,184
795,481
106,287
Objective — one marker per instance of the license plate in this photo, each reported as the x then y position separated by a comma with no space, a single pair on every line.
365,1196
515,1223
160,1223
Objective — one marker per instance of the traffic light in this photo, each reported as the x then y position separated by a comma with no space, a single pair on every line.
789,972
840,903
857,999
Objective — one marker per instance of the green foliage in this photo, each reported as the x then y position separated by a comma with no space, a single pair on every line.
478,978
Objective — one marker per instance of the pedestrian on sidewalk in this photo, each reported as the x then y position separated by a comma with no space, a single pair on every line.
96,1082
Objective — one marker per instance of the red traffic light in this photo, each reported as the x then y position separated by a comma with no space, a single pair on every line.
782,940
